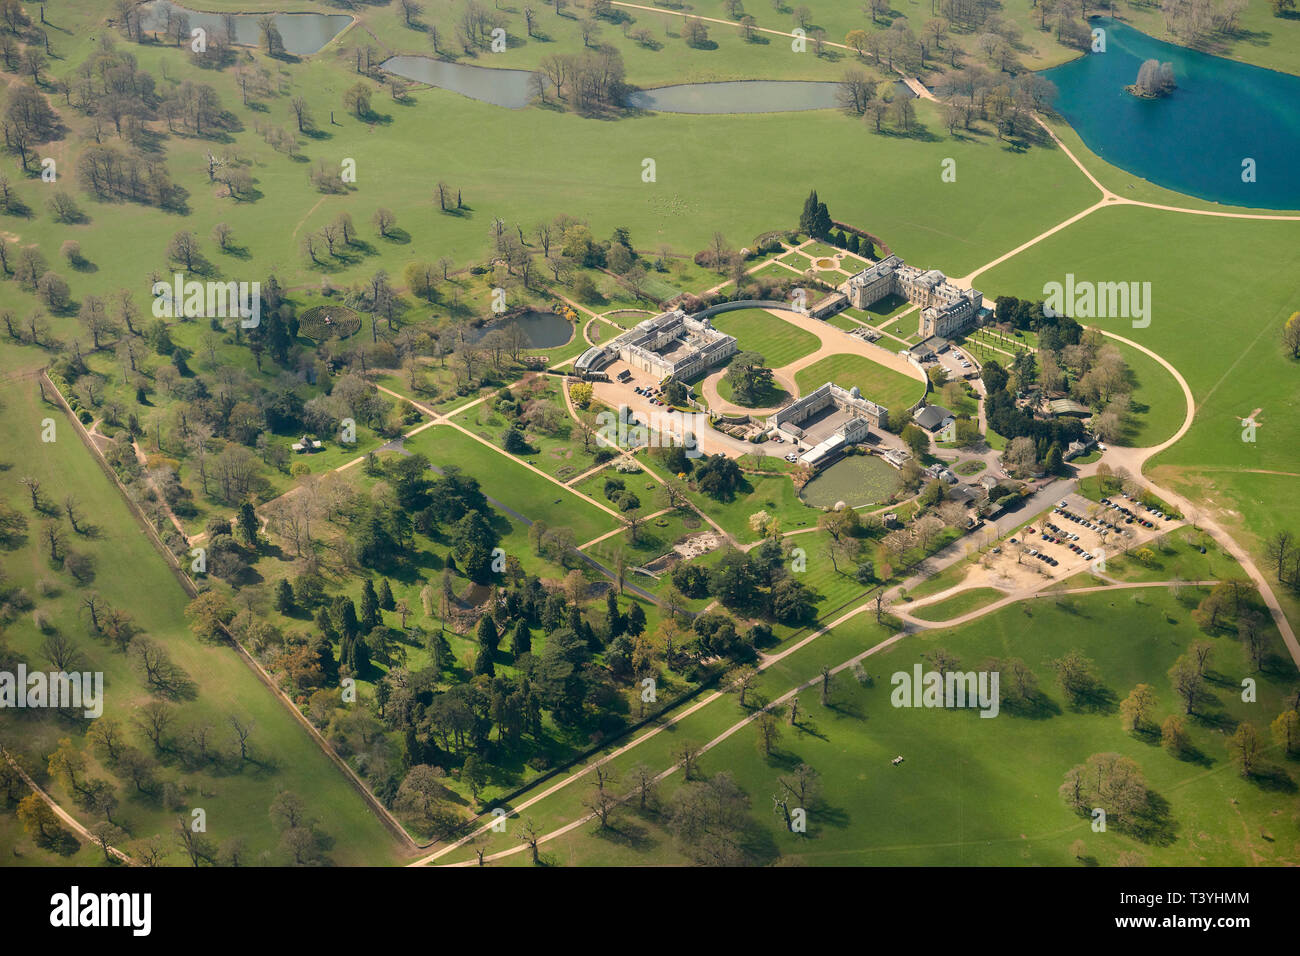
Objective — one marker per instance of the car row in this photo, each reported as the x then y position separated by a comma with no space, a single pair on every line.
1042,556
652,394
1131,516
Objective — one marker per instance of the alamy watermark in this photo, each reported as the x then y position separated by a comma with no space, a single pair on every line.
953,689
672,429
58,689
1098,300
190,298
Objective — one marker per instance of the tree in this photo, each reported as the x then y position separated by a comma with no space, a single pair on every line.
1286,731
38,818
1244,747
769,731
917,440
1188,681
1021,457
529,832
709,819
357,100
695,32
183,247
1136,708
1076,675
474,775
288,810
383,221
1281,553
1173,735
248,524
1291,335
105,834
855,91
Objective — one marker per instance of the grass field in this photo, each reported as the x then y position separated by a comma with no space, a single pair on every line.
1010,814
1219,308
957,605
879,384
757,330
774,494
130,575
522,490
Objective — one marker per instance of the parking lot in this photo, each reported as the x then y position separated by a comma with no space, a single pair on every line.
952,359
1076,534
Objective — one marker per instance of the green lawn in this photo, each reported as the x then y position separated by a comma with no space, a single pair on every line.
758,330
879,384
1223,296
957,605
774,494
769,397
522,490
1007,811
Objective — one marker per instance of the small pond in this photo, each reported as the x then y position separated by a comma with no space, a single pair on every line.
855,480
744,96
513,89
508,88
544,330
303,33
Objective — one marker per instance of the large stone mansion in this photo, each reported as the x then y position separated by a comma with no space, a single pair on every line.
945,309
671,343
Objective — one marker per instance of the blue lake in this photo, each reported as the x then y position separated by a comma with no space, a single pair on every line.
1195,140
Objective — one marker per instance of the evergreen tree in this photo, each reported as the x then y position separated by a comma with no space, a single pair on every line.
821,226
326,625
809,213
616,622
521,642
386,595
248,524
370,618
841,240
440,651
284,602
483,663
1053,460
635,620
328,665
343,614
489,638
854,243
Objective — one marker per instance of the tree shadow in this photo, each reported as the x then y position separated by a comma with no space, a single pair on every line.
1272,779
1152,823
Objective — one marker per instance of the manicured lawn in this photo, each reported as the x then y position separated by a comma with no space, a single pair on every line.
769,398
843,322
522,490
758,330
554,452
879,384
773,494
